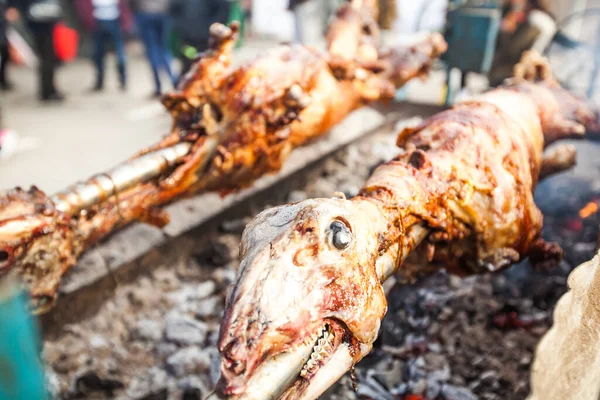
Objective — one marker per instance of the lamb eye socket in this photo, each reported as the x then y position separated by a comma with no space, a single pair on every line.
340,235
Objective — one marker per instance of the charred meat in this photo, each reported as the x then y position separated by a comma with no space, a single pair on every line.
308,299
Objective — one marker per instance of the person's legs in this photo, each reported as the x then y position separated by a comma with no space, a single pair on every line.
99,50
147,29
38,37
4,56
44,41
164,30
47,67
119,43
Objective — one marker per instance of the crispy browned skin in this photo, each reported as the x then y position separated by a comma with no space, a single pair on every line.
460,197
36,239
241,123
468,175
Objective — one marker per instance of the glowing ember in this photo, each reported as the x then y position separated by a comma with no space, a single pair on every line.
589,209
574,224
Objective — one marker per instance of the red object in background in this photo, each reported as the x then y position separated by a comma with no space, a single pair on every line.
574,224
66,41
413,397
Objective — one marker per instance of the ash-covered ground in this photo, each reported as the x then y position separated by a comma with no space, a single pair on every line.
446,337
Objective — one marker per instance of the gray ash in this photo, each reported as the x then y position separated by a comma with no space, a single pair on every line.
444,338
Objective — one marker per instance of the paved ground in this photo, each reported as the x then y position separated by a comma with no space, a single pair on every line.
91,132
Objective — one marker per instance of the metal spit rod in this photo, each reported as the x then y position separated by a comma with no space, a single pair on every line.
100,187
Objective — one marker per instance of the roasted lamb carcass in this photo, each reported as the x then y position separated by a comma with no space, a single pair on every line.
308,299
250,119
230,126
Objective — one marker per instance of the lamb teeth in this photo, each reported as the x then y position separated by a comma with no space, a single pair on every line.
321,349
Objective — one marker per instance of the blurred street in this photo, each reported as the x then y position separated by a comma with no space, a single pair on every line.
91,132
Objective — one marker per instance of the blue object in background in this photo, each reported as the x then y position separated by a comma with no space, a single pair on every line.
21,373
471,33
471,36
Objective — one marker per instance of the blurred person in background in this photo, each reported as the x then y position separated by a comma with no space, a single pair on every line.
311,18
41,17
192,20
525,25
7,14
154,25
106,19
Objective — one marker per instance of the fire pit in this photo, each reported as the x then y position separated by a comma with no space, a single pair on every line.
443,338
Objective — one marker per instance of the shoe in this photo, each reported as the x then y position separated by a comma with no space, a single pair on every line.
54,97
155,95
97,88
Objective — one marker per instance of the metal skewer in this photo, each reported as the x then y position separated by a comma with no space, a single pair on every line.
100,187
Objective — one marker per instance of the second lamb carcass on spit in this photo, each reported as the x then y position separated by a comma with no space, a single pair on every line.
230,126
308,299
254,116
